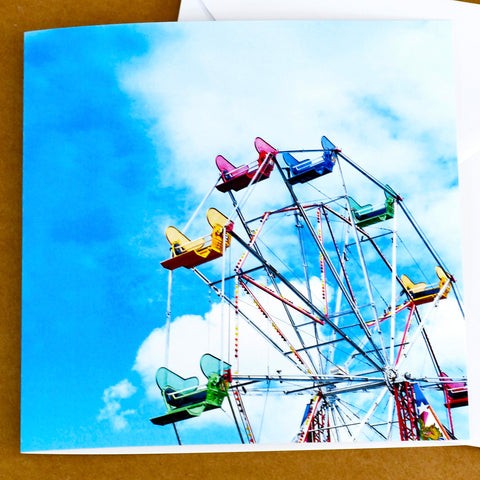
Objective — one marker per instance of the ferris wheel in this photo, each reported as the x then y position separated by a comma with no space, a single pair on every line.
337,287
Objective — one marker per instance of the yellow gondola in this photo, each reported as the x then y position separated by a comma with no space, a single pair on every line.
421,293
191,253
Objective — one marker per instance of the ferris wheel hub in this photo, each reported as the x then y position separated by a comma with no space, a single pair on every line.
390,374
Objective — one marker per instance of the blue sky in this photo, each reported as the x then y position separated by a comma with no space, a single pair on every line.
122,125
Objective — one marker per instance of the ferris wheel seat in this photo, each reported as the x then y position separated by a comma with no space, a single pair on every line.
237,178
457,399
456,392
369,214
302,171
192,253
306,170
422,293
185,398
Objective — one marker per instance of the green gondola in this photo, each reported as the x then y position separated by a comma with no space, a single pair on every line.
369,214
185,398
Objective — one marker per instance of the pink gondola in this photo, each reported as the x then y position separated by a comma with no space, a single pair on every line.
456,392
237,178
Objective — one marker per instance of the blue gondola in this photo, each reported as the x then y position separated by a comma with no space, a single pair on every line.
305,170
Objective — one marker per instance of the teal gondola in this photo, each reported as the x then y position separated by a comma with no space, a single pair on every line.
365,215
185,398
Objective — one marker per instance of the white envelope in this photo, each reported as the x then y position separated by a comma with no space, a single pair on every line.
466,19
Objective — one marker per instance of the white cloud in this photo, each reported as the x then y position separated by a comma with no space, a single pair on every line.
112,411
293,85
123,389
